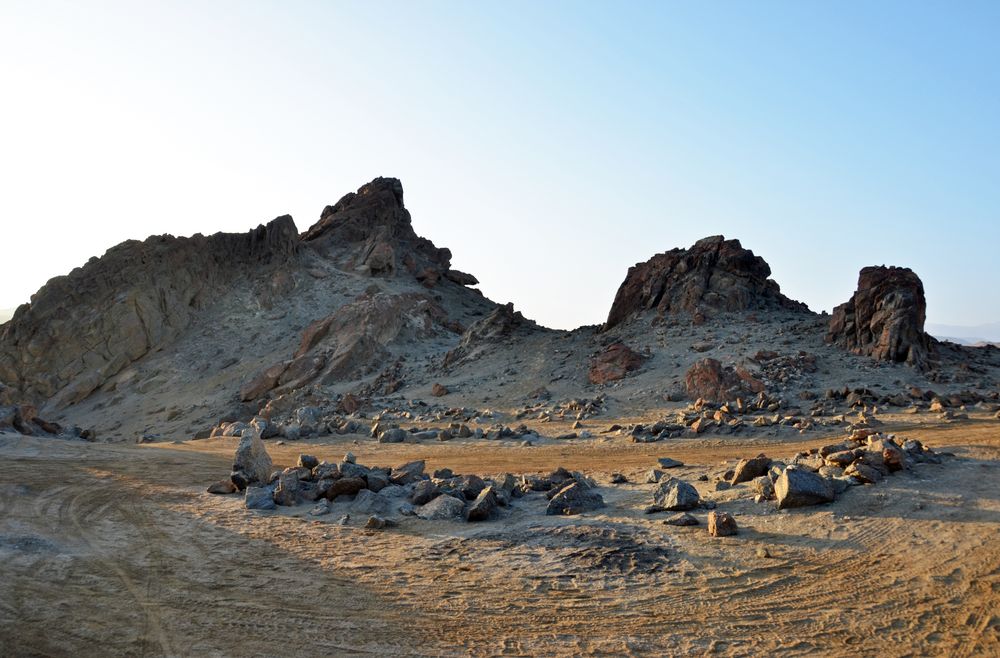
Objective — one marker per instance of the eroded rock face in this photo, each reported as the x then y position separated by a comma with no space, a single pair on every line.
370,231
613,363
884,318
351,342
710,380
500,325
83,328
713,275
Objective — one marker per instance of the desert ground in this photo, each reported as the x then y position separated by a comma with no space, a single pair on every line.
117,550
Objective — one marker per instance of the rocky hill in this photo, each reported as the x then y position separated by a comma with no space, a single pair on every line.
167,337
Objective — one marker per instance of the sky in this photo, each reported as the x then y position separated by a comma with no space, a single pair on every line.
550,145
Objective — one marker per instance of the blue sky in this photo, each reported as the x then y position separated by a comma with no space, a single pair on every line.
549,145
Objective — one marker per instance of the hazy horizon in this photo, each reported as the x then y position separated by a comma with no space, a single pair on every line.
549,147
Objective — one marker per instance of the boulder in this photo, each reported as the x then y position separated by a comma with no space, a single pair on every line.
287,491
251,464
763,486
307,461
676,495
408,472
798,487
721,524
261,498
748,469
863,472
394,435
613,363
377,480
442,507
424,492
439,390
342,487
484,507
575,498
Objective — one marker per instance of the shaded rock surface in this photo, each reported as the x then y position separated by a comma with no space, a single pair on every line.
884,318
713,274
83,328
710,380
613,363
799,487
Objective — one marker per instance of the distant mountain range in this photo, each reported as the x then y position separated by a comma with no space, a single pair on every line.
983,333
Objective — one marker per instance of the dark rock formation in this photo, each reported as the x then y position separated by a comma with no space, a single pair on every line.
83,328
884,318
714,275
370,231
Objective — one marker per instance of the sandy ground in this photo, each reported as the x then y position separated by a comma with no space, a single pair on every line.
117,550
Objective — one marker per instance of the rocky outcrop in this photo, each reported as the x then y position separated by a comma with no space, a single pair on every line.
884,318
710,380
351,342
613,363
83,328
713,275
499,326
370,231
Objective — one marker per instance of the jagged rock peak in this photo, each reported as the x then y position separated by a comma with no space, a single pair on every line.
83,328
376,206
715,274
884,318
370,231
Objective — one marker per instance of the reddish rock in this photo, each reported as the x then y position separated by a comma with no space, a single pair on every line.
713,275
709,380
438,390
616,361
721,524
884,318
264,382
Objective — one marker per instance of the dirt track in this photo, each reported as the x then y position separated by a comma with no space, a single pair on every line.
117,550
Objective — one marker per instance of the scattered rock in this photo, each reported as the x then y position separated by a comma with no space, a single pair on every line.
484,507
442,507
574,499
676,495
748,469
721,524
798,487
251,464
259,498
